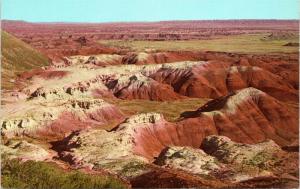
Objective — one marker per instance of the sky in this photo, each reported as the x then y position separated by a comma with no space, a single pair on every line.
146,10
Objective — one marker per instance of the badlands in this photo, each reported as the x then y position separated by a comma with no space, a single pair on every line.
142,117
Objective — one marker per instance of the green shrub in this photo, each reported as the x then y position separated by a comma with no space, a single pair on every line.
43,175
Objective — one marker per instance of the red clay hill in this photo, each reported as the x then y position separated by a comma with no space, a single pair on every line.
243,134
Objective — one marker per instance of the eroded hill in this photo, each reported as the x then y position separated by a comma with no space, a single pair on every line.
150,118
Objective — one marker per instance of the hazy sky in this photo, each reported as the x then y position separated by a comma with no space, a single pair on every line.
146,10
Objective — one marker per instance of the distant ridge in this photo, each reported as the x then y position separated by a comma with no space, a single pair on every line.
162,21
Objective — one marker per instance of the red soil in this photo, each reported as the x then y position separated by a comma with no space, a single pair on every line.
215,79
254,118
149,91
68,122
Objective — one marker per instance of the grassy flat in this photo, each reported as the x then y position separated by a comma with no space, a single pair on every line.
250,43
170,109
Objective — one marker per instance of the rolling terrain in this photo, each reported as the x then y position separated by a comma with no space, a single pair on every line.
182,104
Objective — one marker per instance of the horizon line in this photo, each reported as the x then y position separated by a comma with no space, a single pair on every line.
148,21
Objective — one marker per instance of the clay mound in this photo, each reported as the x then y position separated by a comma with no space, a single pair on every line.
188,159
158,57
100,148
139,86
69,121
123,139
249,116
212,105
53,85
56,117
215,79
151,140
285,66
96,60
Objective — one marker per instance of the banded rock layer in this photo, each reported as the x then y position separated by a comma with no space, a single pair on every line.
56,117
215,79
249,116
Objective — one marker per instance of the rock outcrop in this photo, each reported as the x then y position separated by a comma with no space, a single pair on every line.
227,151
188,159
226,160
112,150
261,160
56,116
24,151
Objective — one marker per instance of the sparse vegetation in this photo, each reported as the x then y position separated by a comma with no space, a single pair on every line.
42,175
133,167
17,57
250,43
263,161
